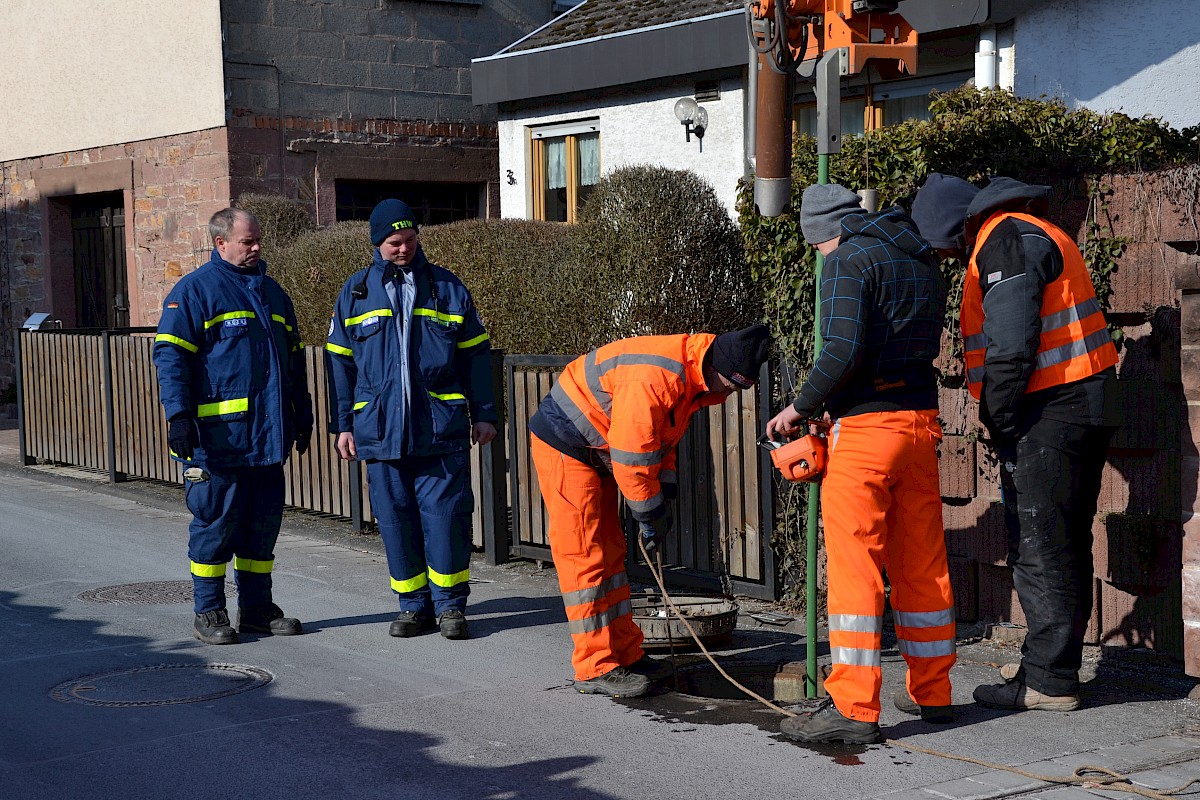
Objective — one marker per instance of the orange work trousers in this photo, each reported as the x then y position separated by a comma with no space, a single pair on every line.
588,545
882,508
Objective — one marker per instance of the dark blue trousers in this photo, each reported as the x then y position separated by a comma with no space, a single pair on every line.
236,514
423,507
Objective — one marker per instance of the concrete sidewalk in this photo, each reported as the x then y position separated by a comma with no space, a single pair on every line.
113,698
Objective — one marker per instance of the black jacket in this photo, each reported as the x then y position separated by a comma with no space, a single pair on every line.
1027,260
882,305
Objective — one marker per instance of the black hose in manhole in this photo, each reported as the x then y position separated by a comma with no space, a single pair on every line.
161,685
779,683
146,594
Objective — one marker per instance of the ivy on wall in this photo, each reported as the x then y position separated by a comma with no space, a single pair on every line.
973,135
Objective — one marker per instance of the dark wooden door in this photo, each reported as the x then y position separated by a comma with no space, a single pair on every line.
101,283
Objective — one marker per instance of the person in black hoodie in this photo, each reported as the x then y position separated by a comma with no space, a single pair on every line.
1041,362
882,304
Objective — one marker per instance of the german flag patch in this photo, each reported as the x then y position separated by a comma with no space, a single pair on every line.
172,305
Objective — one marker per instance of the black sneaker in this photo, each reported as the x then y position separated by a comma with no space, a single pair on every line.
940,715
827,724
617,682
655,669
453,624
212,627
268,619
409,624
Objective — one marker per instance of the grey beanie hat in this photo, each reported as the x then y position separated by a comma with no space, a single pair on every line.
822,210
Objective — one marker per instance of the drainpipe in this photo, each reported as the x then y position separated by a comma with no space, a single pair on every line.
751,112
986,59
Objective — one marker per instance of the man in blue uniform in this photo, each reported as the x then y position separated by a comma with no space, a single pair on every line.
234,386
409,366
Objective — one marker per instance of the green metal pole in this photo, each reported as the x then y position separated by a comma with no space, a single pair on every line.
814,489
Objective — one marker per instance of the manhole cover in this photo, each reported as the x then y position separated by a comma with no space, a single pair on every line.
146,594
780,683
712,618
161,685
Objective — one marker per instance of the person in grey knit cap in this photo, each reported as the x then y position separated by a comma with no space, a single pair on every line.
882,303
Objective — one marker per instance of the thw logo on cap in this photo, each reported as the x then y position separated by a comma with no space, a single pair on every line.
403,223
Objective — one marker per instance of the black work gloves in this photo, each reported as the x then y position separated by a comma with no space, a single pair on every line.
181,437
654,533
303,439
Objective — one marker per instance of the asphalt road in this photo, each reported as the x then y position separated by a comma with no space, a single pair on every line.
99,699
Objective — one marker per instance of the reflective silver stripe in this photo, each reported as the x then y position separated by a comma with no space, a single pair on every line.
975,375
1070,350
1073,314
942,647
856,623
578,418
976,341
855,656
594,370
601,620
629,458
924,619
594,593
641,508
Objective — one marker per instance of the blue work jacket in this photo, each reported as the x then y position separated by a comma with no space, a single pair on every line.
229,356
421,401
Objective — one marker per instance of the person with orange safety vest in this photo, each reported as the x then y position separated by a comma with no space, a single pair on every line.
883,301
609,428
1041,363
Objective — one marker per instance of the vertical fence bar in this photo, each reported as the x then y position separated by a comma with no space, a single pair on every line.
22,453
493,484
110,427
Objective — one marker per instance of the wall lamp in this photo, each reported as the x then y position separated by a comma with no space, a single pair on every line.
693,118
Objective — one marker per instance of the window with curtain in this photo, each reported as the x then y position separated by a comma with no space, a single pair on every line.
565,170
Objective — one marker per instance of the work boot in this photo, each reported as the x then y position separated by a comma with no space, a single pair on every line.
656,669
268,619
827,724
453,624
212,627
409,624
1009,671
1015,695
936,714
617,682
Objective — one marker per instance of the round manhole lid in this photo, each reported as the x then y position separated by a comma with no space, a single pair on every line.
161,685
146,594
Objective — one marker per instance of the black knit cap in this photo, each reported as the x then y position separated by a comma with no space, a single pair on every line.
738,355
389,217
940,210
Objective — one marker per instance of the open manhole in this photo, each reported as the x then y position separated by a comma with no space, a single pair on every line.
779,683
161,685
712,618
146,594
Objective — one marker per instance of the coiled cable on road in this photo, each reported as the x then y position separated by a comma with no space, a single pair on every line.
1085,776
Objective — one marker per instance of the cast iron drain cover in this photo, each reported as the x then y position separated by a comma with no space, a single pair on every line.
161,685
146,594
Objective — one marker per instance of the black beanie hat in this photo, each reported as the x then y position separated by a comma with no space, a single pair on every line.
738,355
940,210
388,217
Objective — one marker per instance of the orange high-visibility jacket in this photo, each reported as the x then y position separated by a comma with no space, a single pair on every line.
1074,342
632,401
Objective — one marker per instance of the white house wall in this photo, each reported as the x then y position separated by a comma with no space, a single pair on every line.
1112,55
636,129
106,73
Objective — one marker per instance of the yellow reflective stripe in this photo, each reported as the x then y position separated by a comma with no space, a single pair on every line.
483,337
208,570
361,404
441,317
184,343
447,581
228,315
279,318
299,346
379,312
410,585
449,396
337,348
223,407
250,565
